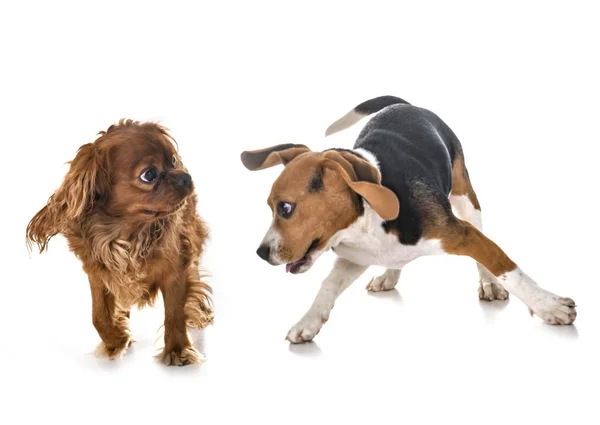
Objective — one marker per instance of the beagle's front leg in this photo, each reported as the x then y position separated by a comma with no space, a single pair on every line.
343,274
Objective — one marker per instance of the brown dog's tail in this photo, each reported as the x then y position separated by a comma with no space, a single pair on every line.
363,110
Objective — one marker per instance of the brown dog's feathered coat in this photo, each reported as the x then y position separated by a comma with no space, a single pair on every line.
133,237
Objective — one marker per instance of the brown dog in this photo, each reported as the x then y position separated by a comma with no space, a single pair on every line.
128,210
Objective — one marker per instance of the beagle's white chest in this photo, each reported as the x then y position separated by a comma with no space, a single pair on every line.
365,242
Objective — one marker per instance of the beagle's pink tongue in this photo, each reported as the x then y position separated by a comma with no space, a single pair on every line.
290,266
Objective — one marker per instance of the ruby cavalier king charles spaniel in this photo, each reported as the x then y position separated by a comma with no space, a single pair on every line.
127,208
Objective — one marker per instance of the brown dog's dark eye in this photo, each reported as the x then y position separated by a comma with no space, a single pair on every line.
285,209
174,161
149,175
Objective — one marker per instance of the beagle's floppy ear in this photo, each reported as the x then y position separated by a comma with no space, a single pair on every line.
269,157
364,170
382,200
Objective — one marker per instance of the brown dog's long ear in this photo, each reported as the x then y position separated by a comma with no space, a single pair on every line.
86,181
382,200
269,157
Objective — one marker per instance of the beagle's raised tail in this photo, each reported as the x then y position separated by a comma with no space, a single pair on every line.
365,109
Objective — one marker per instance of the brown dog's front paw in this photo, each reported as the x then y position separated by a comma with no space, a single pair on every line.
115,351
183,357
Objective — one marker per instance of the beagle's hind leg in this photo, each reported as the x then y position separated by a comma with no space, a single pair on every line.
466,206
461,238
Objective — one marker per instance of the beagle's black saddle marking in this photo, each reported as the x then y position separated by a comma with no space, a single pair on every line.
415,151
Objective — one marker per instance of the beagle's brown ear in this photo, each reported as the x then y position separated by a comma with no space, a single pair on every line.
357,168
365,171
382,200
269,157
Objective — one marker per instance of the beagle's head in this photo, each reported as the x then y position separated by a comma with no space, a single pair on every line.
317,195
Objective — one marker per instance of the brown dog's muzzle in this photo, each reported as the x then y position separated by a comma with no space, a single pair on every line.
180,179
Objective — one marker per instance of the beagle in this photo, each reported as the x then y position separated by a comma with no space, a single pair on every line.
391,199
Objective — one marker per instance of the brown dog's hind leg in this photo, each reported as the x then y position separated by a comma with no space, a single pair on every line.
198,308
111,322
466,205
198,305
461,238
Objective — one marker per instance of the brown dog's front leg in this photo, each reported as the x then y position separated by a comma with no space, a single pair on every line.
111,322
178,349
461,238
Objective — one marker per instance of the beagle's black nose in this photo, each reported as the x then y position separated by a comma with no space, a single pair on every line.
184,180
263,252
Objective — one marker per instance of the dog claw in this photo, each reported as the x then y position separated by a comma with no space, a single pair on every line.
490,291
554,310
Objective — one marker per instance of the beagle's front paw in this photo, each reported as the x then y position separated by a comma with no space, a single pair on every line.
306,329
381,283
554,310
490,291
386,282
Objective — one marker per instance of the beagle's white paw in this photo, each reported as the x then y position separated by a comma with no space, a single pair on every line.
490,291
386,282
554,310
306,329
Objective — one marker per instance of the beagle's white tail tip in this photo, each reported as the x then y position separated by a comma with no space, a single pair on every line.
343,123
365,109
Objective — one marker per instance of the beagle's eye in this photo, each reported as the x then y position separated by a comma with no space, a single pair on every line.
149,175
285,209
174,161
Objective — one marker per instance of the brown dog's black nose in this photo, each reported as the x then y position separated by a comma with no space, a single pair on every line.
263,252
184,180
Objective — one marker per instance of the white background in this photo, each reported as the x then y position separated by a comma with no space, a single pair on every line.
518,83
